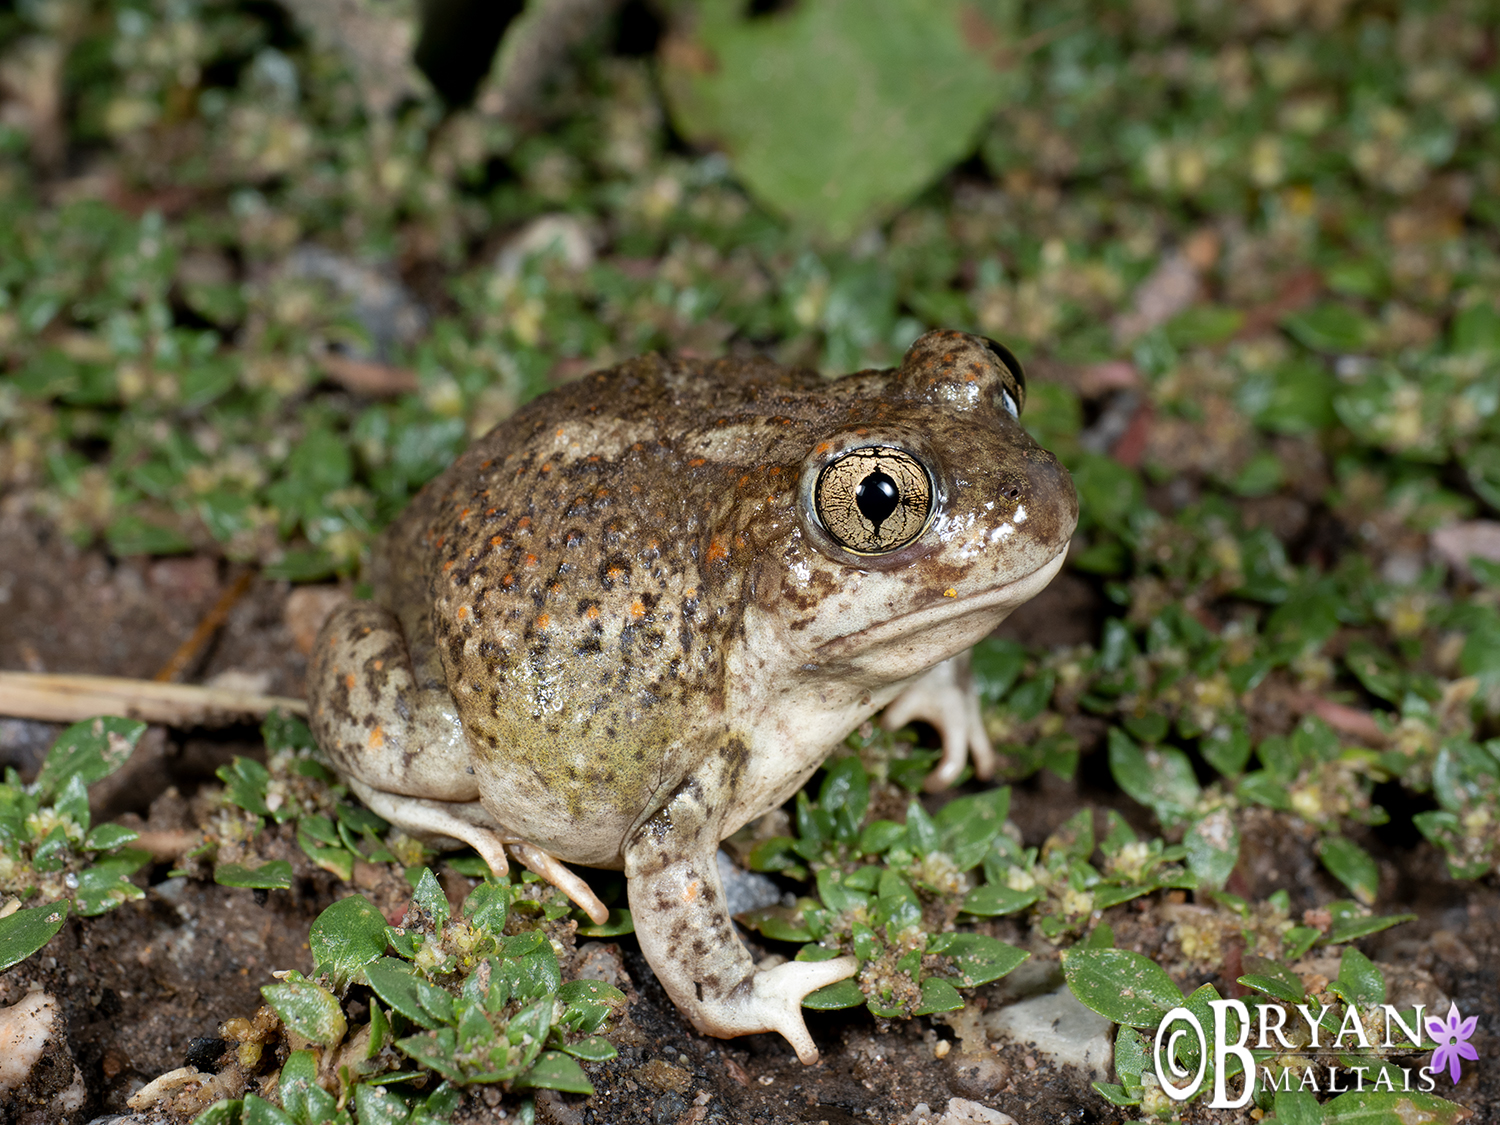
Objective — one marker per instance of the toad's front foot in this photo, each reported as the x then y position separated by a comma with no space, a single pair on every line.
771,1000
683,926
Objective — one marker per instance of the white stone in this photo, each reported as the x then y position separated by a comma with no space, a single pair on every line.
1060,1029
25,1028
964,1112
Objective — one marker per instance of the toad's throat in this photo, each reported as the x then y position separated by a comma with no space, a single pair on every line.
945,617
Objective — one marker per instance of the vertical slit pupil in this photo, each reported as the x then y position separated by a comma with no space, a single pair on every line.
877,497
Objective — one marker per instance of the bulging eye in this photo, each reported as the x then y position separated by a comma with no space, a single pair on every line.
874,500
1011,398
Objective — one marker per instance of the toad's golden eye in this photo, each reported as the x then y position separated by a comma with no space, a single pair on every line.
874,500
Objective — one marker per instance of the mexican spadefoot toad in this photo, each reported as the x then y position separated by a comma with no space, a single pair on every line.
643,610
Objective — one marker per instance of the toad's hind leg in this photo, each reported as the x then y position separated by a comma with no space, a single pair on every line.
389,726
469,823
683,925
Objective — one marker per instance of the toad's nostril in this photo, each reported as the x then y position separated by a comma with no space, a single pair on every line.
1013,492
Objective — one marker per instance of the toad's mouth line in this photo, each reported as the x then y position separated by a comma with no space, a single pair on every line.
933,617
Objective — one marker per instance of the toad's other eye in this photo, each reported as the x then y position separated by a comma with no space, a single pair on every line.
1008,401
874,500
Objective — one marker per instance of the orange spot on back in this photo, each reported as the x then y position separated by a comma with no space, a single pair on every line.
543,620
349,681
531,560
496,540
523,523
696,461
377,738
716,549
592,612
637,608
463,611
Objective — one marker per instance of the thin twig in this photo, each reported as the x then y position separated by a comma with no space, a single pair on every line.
71,699
189,649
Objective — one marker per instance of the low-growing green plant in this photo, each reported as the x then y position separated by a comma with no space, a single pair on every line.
49,853
473,998
1137,994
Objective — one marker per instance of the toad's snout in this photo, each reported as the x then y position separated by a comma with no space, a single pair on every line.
1039,494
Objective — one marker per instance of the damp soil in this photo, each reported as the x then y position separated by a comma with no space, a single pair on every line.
146,988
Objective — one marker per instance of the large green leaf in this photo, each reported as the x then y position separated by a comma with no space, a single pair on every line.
838,111
90,750
1121,986
347,937
23,932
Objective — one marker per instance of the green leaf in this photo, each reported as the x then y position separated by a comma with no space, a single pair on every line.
979,959
1357,926
1381,1108
1160,778
221,1113
845,793
1330,327
273,876
132,535
1132,1056
108,836
258,1111
1351,865
375,1105
1114,1095
429,897
937,996
836,113
107,884
897,904
1213,848
968,825
336,860
593,1049
90,750
308,1009
1121,986
301,1096
554,1070
245,782
1273,978
1298,1107
620,922
346,937
1203,325
394,982
921,832
1359,982
23,932
780,923
1298,940
841,994
993,900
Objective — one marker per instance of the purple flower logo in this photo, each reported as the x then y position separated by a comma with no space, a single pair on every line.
1452,1039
